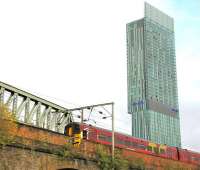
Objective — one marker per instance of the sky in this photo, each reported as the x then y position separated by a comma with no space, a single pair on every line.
74,53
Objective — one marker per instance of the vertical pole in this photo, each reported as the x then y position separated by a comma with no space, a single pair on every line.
82,116
113,134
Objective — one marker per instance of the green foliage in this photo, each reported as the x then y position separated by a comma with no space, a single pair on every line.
104,159
119,163
137,163
68,151
8,127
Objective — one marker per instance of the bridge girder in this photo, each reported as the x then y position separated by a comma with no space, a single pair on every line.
33,110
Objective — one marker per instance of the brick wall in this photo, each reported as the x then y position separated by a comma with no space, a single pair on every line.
12,158
36,137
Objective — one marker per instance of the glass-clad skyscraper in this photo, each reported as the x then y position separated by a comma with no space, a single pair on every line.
152,80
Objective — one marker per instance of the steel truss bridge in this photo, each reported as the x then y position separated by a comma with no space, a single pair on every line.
33,110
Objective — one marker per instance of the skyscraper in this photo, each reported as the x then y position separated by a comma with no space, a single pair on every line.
152,80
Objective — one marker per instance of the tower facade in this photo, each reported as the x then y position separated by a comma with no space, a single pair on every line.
152,80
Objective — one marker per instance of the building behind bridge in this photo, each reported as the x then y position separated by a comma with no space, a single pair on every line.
152,80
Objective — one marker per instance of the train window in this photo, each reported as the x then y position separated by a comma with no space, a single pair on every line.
130,144
102,137
76,129
119,141
105,138
195,159
108,138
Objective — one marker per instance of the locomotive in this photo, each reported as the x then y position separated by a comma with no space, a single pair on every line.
103,136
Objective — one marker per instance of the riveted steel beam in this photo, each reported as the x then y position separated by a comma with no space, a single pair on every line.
34,110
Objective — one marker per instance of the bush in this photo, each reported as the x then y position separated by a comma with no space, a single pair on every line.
105,161
69,151
103,158
137,163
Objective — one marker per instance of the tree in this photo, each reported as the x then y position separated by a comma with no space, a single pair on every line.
8,126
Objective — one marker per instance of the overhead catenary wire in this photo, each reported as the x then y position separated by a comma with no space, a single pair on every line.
91,116
103,125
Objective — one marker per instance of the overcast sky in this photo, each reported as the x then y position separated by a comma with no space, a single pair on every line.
74,53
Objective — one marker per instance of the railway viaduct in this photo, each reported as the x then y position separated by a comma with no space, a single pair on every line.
36,147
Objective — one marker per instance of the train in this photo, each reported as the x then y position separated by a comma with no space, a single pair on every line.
104,136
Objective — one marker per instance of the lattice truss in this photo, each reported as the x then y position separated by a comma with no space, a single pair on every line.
34,110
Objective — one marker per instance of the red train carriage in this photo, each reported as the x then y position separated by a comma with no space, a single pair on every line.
188,156
194,157
104,136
